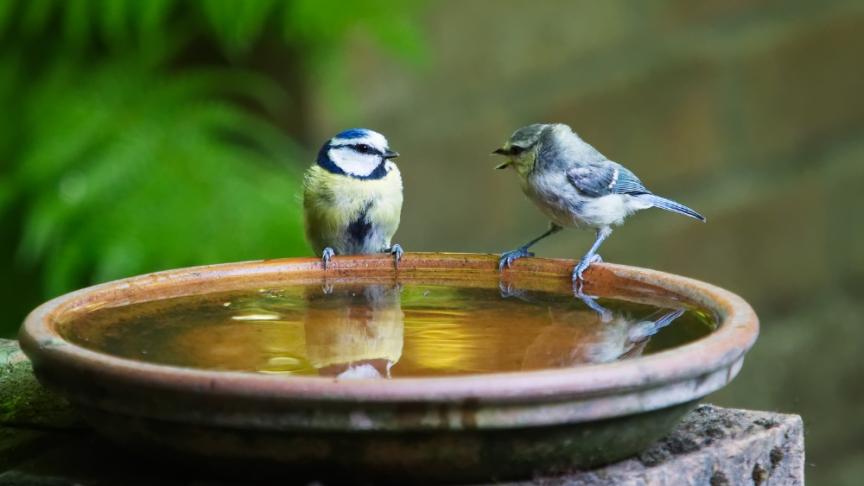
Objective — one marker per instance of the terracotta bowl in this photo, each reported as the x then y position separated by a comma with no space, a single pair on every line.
470,427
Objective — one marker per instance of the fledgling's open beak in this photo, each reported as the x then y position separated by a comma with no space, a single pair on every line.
502,151
389,154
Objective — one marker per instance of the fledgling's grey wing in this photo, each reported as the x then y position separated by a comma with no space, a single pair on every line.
601,179
588,170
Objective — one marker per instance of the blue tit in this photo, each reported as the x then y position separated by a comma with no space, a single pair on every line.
575,186
352,196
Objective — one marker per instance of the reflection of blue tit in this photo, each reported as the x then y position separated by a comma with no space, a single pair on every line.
352,196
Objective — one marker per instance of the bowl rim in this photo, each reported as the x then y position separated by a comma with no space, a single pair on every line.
720,351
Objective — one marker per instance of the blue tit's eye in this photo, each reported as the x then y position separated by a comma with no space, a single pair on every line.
363,148
516,150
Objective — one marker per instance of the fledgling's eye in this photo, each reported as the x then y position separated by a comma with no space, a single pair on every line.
516,150
363,148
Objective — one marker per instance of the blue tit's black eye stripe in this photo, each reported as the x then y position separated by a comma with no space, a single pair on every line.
360,148
516,150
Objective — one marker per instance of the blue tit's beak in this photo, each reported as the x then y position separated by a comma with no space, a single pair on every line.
389,154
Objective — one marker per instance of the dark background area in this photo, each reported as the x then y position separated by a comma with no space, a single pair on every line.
139,136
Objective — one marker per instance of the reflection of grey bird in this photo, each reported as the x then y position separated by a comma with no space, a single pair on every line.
575,186
611,337
637,331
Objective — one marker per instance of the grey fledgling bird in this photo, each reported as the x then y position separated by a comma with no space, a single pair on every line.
575,186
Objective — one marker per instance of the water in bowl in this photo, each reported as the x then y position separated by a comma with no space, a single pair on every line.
385,330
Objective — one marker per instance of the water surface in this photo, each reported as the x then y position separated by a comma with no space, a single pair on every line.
381,331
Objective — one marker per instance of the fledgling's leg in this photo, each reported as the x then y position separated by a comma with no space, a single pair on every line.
591,256
508,257
591,301
396,251
326,256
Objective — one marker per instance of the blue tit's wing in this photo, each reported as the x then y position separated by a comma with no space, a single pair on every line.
601,179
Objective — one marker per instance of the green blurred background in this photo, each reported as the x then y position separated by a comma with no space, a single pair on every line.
144,135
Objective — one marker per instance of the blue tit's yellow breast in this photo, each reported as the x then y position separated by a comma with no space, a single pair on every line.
333,202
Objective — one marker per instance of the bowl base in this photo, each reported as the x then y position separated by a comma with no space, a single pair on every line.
418,457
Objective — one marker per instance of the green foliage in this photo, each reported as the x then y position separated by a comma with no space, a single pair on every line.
158,183
123,151
321,26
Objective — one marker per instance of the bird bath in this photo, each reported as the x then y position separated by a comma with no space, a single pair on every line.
442,370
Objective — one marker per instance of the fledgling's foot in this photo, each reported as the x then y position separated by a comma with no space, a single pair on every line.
326,256
397,252
583,265
508,257
591,301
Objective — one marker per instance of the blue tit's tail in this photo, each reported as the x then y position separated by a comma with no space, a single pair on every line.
670,205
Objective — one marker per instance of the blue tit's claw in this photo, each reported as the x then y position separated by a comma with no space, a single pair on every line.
326,256
506,290
508,257
397,252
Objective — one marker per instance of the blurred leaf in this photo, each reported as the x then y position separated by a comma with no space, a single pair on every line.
76,22
114,21
7,8
322,24
151,22
237,24
35,15
7,193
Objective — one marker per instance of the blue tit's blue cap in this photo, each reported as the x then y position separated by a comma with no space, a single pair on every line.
353,133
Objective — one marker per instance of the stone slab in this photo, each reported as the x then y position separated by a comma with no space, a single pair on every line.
712,446
23,402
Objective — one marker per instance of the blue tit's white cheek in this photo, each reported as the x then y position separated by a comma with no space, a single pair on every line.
353,162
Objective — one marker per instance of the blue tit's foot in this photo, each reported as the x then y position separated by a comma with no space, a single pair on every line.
326,256
397,252
583,265
508,257
507,290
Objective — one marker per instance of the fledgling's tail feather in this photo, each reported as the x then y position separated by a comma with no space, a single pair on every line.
670,205
667,319
645,329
